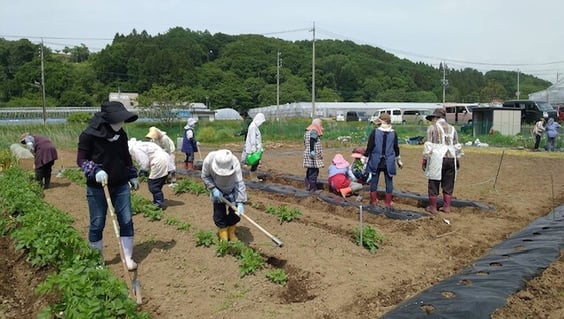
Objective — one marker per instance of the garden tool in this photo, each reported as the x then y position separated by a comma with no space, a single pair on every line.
277,241
133,284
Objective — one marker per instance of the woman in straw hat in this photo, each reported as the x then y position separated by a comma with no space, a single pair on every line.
441,154
383,155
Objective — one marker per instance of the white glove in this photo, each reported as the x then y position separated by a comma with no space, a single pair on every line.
102,177
240,209
399,162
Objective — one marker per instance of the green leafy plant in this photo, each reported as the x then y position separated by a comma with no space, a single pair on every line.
224,248
75,175
277,276
188,185
205,238
251,261
371,239
180,225
140,204
284,213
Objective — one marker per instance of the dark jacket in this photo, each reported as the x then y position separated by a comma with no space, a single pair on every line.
189,145
44,151
96,152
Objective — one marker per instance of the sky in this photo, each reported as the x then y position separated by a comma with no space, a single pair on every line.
514,35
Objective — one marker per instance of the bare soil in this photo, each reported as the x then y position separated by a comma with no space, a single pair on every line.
329,275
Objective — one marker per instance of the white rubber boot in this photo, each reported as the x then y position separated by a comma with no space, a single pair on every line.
98,245
127,244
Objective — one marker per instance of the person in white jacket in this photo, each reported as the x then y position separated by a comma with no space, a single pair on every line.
253,143
165,142
441,159
221,173
151,158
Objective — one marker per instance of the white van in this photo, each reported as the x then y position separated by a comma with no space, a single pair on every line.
395,115
415,116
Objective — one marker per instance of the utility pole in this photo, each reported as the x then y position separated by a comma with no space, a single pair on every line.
445,83
43,84
518,93
278,87
313,74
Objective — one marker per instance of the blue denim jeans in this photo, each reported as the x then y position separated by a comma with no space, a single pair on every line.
387,178
98,207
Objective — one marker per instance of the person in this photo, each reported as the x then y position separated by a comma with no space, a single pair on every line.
165,142
45,155
340,177
358,166
189,143
441,159
313,153
154,164
383,154
552,128
253,143
103,156
538,129
247,120
222,176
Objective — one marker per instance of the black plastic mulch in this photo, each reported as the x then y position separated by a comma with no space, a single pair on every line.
477,291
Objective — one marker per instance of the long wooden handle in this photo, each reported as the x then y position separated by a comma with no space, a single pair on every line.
277,241
112,211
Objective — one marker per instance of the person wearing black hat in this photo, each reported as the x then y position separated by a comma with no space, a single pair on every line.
441,159
103,155
45,155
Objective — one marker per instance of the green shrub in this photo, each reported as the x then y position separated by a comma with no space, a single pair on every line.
251,261
284,213
277,276
371,239
205,238
81,117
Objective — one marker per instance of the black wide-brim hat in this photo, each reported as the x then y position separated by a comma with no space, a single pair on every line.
438,112
114,112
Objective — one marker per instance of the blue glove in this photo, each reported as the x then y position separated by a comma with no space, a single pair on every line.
143,173
102,177
134,183
312,154
240,209
216,195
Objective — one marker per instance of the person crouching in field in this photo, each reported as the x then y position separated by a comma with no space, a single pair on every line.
340,177
152,158
383,154
45,155
165,142
358,166
222,176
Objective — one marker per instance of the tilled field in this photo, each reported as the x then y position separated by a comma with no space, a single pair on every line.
330,276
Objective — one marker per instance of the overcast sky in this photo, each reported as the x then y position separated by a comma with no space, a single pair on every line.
514,35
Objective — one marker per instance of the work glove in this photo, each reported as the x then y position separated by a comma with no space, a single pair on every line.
424,164
312,154
134,183
369,178
143,173
216,195
102,177
399,162
240,209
